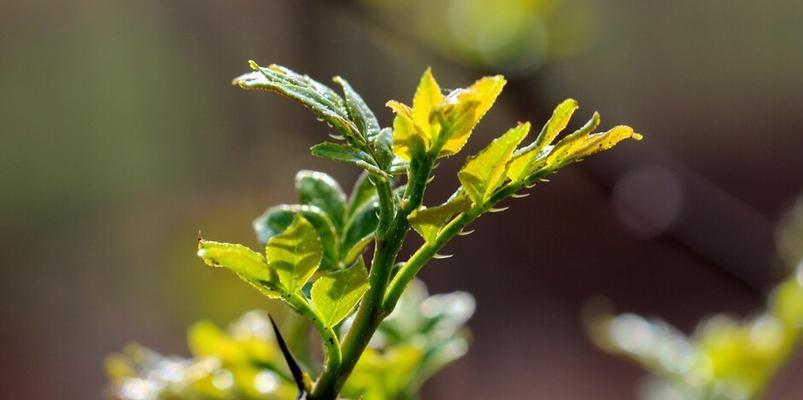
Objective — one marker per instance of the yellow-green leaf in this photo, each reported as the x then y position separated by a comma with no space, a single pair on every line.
335,294
468,106
484,172
603,141
574,147
533,158
427,96
408,139
295,254
428,222
520,167
246,263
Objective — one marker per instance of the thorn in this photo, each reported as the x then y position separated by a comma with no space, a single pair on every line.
519,195
437,164
431,178
498,210
200,236
442,256
336,137
545,180
465,233
298,376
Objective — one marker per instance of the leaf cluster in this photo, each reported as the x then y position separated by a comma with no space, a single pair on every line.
312,258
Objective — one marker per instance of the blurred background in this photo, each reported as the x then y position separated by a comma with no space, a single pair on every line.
122,137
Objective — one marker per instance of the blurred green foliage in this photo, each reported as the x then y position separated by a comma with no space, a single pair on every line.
513,36
423,335
725,358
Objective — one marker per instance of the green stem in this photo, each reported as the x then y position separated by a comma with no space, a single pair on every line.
386,208
370,312
424,254
330,342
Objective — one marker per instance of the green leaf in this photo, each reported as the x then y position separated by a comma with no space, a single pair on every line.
361,226
363,192
246,263
383,149
321,190
428,222
346,154
359,112
319,98
295,254
276,219
336,294
484,172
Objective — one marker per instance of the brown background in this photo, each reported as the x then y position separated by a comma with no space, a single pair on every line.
121,137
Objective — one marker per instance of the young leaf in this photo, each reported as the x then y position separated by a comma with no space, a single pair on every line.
335,294
463,109
276,219
484,172
428,222
598,142
346,154
321,190
359,112
246,263
556,123
383,149
427,96
295,254
530,159
574,147
408,138
319,98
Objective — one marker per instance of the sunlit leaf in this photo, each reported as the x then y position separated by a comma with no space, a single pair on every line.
484,172
295,254
524,160
574,147
463,109
276,219
246,263
335,294
408,139
427,96
321,190
429,221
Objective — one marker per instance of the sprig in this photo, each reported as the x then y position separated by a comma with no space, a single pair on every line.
328,232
